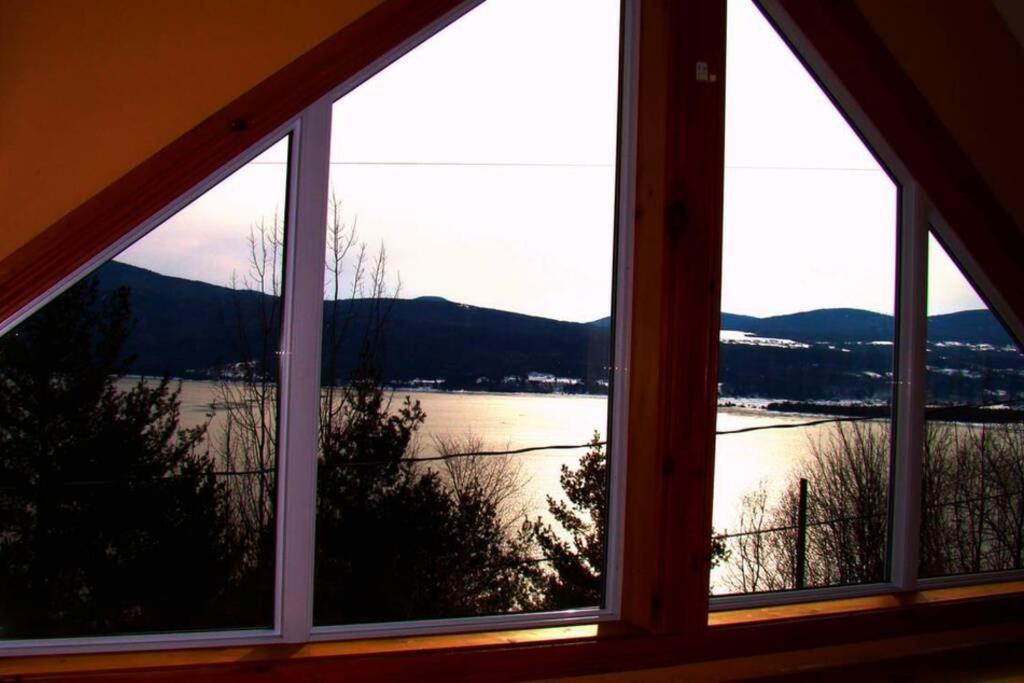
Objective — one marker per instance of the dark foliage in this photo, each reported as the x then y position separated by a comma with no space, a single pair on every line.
426,337
395,543
476,348
576,553
111,519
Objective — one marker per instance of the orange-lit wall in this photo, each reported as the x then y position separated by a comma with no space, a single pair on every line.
88,90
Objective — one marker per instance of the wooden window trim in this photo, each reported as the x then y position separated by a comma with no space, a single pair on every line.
872,603
921,617
64,247
836,36
673,367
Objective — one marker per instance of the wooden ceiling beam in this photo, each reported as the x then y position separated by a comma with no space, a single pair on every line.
847,44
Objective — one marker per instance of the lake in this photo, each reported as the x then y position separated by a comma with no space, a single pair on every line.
510,421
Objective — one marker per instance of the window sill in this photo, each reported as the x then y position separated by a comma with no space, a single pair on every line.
219,656
573,649
873,603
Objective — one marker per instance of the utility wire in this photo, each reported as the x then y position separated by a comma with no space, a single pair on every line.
856,169
932,411
495,164
839,520
794,425
570,164
498,453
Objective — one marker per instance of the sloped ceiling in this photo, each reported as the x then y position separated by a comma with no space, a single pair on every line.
92,89
967,62
88,90
1012,12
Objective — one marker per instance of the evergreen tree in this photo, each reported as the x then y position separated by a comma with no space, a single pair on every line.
393,541
577,554
111,519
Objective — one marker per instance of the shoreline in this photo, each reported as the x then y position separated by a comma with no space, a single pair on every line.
766,407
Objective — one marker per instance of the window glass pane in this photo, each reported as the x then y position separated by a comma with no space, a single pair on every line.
973,491
808,290
468,297
137,429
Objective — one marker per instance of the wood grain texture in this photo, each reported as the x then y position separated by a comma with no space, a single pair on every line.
641,590
990,650
506,657
827,608
72,241
691,307
965,61
676,316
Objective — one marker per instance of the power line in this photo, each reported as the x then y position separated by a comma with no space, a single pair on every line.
794,425
932,411
496,453
471,454
496,164
570,164
844,169
928,505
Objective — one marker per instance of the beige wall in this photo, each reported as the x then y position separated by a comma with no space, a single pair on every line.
88,90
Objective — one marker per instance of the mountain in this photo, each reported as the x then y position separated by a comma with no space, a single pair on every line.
183,325
829,324
851,324
740,323
972,327
440,339
186,328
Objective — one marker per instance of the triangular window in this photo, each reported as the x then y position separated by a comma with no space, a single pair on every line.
972,517
138,428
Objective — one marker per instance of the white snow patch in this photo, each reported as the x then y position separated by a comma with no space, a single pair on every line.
750,339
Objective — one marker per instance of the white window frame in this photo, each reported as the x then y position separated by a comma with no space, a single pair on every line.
933,222
309,134
915,214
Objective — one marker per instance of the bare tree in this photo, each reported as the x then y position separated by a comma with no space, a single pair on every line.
972,508
760,555
845,541
973,498
498,478
384,524
247,393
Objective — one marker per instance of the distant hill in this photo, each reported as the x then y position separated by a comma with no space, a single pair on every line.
851,324
182,325
741,323
184,328
829,324
972,327
193,329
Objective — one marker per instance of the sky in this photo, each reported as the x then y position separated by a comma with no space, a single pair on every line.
484,163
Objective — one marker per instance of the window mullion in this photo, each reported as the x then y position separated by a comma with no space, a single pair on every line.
908,446
300,371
